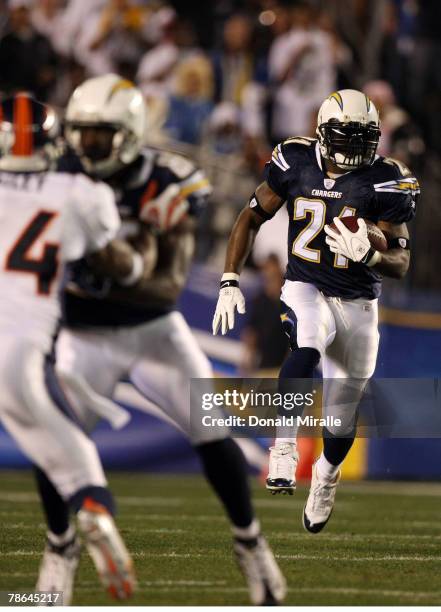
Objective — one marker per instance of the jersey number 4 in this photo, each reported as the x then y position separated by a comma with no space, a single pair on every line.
20,260
317,211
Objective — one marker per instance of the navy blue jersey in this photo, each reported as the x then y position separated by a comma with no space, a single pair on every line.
86,300
383,191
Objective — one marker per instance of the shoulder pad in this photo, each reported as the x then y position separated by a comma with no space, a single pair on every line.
284,154
301,140
180,166
397,165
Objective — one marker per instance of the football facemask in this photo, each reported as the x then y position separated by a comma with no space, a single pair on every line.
349,145
100,146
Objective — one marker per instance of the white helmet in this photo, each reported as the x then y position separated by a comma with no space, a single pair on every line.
112,102
348,129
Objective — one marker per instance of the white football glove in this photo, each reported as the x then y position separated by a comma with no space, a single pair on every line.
355,246
230,298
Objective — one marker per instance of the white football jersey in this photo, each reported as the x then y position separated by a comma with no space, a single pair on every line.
46,219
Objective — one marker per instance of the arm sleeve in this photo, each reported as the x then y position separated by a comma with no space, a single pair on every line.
396,197
91,220
278,171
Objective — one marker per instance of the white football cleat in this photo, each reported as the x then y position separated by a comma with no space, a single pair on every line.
283,461
58,568
266,584
107,549
320,502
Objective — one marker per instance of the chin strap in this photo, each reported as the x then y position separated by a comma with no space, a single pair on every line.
101,169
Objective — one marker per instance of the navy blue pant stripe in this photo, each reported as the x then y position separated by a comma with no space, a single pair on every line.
289,324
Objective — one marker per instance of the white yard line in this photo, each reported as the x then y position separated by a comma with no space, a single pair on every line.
133,500
298,557
383,593
291,521
21,553
289,503
42,527
16,497
410,489
215,587
273,535
358,537
362,488
292,530
367,559
21,526
143,584
220,586
129,500
19,575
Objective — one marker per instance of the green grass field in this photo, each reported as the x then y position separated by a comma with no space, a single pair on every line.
382,545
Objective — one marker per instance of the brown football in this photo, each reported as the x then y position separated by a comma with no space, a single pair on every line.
376,237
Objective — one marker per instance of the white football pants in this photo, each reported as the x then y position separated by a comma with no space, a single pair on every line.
345,333
159,358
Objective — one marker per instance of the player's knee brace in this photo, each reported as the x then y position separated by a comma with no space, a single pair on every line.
335,448
296,376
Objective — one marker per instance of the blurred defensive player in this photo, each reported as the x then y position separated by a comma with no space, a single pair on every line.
333,278
111,333
49,218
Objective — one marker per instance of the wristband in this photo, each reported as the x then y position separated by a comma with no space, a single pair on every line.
136,273
229,279
372,258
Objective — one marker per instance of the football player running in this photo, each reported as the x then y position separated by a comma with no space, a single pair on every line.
333,277
113,332
49,218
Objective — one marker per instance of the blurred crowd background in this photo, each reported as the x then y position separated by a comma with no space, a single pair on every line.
224,81
227,79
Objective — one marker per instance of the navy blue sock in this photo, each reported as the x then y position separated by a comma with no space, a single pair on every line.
226,470
335,448
299,365
99,495
55,508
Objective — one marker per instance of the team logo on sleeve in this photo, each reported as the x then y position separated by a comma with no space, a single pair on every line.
405,185
278,158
